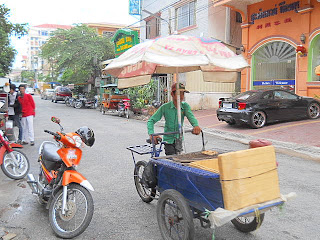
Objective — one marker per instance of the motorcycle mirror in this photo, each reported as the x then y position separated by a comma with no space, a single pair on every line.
55,120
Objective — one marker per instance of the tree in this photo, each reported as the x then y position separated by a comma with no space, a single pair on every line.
76,53
7,29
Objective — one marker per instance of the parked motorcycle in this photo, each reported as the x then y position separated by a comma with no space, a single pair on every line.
14,163
124,107
60,186
83,101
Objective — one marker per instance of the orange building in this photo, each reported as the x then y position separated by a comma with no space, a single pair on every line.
281,41
109,29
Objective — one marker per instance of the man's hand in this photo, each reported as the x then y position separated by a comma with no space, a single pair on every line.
156,139
196,130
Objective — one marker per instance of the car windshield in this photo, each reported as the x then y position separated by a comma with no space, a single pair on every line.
64,89
50,90
246,95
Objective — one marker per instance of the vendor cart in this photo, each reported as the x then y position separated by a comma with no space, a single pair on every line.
5,125
193,185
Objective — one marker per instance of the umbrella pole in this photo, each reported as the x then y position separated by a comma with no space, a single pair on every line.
179,140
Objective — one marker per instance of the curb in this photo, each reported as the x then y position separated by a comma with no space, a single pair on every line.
291,149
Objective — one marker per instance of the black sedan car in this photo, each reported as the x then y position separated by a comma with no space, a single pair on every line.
258,107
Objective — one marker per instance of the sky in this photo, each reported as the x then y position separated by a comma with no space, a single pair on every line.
65,12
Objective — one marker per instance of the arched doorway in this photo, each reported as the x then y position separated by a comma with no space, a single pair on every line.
274,65
314,59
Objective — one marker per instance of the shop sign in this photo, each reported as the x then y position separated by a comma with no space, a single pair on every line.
275,23
281,8
274,83
124,39
134,7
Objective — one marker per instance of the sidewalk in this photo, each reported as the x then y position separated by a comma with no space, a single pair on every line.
210,125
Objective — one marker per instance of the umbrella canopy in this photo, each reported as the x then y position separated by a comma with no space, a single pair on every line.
172,54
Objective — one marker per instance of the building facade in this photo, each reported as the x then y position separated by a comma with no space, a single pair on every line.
37,36
197,18
282,44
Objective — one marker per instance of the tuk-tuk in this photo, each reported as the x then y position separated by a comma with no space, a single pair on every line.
111,98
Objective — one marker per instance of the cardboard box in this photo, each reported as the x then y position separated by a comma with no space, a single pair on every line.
210,165
248,177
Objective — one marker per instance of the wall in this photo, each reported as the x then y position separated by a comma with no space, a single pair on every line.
286,27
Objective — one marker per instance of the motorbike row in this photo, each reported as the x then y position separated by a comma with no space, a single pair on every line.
81,101
58,185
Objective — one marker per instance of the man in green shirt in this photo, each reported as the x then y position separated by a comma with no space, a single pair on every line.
169,111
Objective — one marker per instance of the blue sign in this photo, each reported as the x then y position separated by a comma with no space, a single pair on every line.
134,7
274,83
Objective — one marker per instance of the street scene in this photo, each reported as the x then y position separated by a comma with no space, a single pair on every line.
143,119
119,212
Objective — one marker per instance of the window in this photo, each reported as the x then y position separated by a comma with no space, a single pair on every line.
44,33
185,15
284,95
153,28
107,34
272,63
238,17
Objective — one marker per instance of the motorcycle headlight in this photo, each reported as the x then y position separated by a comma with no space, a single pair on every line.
78,141
70,139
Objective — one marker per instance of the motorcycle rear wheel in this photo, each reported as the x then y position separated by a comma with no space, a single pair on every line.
78,105
78,216
10,169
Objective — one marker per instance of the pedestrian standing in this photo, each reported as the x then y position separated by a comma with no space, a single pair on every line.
28,113
14,110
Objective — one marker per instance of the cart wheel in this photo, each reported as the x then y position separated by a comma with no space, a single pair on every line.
248,224
145,193
174,216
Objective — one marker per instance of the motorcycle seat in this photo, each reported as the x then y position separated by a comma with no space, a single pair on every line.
49,152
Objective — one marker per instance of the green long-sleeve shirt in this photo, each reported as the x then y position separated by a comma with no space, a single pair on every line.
169,111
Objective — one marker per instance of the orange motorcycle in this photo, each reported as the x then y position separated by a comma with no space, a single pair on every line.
60,186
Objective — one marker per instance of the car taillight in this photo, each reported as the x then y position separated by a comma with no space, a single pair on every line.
220,103
241,106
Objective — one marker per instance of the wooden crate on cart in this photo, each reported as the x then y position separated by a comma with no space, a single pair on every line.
247,177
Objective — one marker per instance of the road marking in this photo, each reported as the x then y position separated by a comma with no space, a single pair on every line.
291,125
206,116
218,124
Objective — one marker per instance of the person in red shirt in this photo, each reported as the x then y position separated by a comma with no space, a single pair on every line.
28,112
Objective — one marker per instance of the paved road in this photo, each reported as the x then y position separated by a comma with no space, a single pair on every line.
119,213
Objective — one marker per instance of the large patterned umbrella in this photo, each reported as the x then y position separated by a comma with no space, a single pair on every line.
174,54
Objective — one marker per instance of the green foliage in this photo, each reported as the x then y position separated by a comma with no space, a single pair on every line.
27,75
77,52
142,96
7,29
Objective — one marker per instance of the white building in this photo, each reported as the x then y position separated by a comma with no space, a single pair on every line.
37,36
197,18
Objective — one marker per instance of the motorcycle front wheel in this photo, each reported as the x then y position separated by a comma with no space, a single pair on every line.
78,215
15,170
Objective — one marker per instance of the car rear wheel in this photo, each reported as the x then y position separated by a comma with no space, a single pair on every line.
313,110
258,119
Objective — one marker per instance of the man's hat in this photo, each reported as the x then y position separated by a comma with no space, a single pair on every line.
181,87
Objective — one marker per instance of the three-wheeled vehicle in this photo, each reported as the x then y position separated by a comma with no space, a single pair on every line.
214,187
112,98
